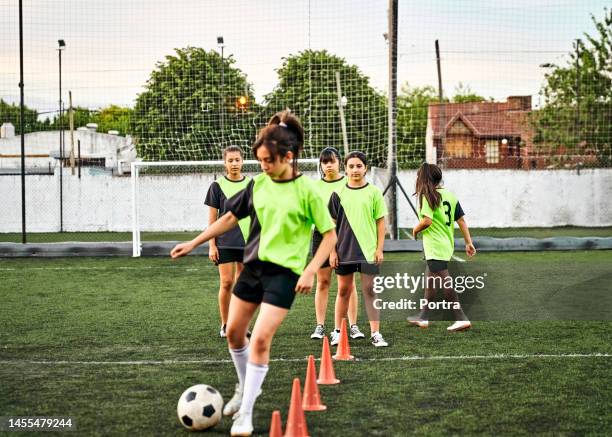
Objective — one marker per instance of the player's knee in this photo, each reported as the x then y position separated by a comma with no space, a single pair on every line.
345,291
226,285
259,344
323,284
235,337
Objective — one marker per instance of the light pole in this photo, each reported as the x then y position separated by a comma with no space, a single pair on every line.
61,45
221,91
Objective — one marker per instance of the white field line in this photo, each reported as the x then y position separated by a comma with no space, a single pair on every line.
293,360
12,269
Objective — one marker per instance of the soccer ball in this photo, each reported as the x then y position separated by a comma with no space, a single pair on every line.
199,407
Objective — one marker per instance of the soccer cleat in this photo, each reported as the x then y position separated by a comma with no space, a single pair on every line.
459,325
356,333
243,425
334,337
223,331
319,333
378,340
417,321
233,405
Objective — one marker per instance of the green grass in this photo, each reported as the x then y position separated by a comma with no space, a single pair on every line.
59,237
123,309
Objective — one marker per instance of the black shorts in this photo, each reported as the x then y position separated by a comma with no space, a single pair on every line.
267,282
230,256
316,241
437,265
365,268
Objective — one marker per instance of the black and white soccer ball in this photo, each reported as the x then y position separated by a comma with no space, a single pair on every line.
200,407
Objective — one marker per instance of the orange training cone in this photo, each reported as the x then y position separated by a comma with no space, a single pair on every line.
327,376
296,421
343,353
276,429
312,397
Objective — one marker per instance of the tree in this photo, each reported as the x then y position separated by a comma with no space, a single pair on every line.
577,111
412,108
82,116
185,114
114,117
10,113
464,94
307,85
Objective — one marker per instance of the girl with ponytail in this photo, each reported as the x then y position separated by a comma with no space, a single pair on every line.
282,205
439,209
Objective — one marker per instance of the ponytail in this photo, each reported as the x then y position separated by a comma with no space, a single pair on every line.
429,177
284,133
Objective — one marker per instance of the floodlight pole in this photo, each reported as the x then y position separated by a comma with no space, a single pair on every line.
21,124
220,42
578,88
61,45
392,139
442,113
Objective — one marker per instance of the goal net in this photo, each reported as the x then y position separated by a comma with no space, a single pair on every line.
168,197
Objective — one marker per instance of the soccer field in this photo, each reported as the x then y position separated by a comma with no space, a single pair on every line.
113,342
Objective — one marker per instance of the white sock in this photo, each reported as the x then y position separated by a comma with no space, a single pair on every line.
255,375
240,357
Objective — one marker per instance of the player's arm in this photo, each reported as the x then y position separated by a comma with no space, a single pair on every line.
423,224
470,250
222,225
333,255
328,243
213,253
380,240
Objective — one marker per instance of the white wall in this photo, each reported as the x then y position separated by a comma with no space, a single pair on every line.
93,145
513,198
490,198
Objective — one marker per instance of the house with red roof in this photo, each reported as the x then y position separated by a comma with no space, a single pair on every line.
481,134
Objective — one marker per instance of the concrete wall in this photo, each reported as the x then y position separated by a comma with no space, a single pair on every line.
490,198
511,198
93,145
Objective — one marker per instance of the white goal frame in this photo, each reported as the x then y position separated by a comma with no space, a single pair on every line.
137,165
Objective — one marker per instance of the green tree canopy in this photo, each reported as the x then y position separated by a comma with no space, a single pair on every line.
114,117
412,107
9,113
577,111
307,85
185,113
464,94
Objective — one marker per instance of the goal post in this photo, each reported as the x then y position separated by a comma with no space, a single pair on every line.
168,196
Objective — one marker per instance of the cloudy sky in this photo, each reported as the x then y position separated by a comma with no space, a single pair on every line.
494,46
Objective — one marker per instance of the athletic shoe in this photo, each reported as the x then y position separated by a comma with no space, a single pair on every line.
378,340
459,325
233,405
417,321
243,425
356,333
222,332
318,333
334,337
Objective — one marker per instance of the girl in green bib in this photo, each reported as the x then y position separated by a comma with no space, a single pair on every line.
227,250
439,209
283,206
331,180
